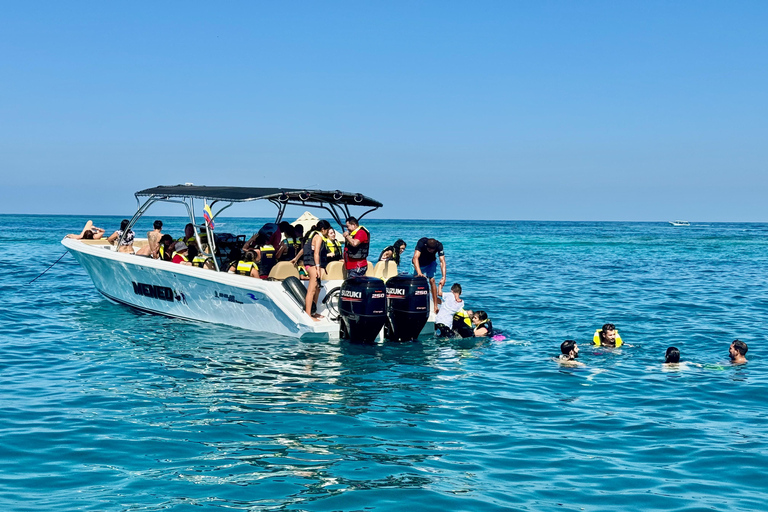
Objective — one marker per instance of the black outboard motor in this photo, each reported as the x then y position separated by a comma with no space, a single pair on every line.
362,308
407,307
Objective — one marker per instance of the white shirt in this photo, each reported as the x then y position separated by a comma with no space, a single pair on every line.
448,308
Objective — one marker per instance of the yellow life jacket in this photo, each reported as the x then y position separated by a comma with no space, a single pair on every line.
334,248
161,251
199,260
461,316
244,267
361,251
596,338
183,256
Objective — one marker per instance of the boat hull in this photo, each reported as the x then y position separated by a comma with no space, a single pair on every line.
198,294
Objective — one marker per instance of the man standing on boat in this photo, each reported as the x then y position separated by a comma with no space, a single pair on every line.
357,240
425,264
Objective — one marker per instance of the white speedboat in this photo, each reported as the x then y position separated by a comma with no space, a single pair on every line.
189,292
680,223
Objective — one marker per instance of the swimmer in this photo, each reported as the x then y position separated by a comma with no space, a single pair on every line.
608,336
570,351
672,356
737,351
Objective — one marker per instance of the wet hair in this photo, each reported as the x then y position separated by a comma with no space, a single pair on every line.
672,355
482,315
158,224
124,224
567,346
740,347
353,220
608,327
87,234
456,288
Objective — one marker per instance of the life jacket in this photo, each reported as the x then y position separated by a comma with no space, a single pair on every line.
361,251
199,261
596,338
244,267
462,324
161,251
183,256
267,259
293,246
309,257
488,326
334,249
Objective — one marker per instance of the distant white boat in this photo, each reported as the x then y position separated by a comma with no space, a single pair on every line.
680,223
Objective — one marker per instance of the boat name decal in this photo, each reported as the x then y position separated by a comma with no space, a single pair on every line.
226,296
154,291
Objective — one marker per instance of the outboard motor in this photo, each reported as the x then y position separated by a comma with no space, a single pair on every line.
362,307
407,307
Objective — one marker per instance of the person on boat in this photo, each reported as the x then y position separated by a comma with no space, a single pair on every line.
267,255
737,352
269,234
425,263
450,305
608,336
126,244
152,249
181,254
393,252
357,241
89,232
569,352
246,266
483,325
290,241
203,261
165,249
334,247
314,255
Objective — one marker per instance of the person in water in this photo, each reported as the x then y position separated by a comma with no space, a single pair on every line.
89,232
450,305
737,351
483,325
425,263
357,241
672,356
569,352
608,336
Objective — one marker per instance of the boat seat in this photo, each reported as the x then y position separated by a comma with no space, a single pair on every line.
370,270
334,271
385,269
282,270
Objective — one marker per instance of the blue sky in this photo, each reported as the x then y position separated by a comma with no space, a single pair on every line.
468,110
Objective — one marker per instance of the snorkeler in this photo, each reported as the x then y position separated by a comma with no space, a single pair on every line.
737,351
672,356
608,336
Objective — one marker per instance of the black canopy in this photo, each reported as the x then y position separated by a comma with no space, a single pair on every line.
283,195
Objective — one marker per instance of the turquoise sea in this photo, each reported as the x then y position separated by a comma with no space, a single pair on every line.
104,408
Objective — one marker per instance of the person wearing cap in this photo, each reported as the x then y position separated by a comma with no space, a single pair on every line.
181,254
425,263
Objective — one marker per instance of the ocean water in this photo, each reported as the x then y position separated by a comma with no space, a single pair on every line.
104,408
